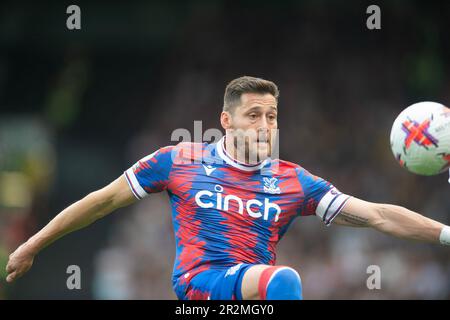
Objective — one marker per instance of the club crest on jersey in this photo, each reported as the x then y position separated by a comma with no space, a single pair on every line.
270,186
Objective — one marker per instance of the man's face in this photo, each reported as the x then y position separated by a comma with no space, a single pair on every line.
253,126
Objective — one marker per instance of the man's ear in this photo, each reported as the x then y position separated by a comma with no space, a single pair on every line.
226,120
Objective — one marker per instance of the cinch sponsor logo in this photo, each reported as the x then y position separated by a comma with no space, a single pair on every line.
207,199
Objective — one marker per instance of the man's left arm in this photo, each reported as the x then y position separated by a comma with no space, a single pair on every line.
393,220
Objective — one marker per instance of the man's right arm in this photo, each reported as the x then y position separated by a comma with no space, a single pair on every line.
78,215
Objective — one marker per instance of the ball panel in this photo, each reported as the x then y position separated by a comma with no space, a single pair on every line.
420,138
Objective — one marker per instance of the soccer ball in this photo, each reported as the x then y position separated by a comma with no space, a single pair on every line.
420,138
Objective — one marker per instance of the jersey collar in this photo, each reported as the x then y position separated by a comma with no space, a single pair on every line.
225,156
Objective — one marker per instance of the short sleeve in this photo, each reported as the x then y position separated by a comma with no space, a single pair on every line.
151,173
321,197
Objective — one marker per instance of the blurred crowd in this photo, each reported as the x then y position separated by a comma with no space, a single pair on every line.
341,88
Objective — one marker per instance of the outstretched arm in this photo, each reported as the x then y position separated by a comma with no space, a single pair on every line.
393,220
78,215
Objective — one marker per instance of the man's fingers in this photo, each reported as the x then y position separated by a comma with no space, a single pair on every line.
11,277
18,264
9,267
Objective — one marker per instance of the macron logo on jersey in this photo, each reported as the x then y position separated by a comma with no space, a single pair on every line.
208,169
207,199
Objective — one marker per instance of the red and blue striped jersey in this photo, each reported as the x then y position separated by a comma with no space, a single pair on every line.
225,212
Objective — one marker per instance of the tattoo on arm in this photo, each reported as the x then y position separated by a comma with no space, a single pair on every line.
353,220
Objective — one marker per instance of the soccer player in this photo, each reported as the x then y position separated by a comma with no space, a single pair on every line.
232,201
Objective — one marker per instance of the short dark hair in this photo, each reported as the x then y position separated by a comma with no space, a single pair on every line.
237,87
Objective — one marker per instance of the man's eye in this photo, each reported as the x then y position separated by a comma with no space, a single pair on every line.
252,116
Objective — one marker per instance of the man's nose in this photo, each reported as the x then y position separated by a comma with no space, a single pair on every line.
263,129
264,124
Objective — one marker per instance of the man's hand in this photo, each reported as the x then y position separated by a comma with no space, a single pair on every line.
78,215
20,261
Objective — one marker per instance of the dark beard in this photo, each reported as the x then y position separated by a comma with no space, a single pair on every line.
247,151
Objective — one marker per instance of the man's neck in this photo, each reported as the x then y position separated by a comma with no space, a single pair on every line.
230,149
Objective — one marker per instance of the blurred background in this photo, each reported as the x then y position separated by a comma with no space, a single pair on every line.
79,107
